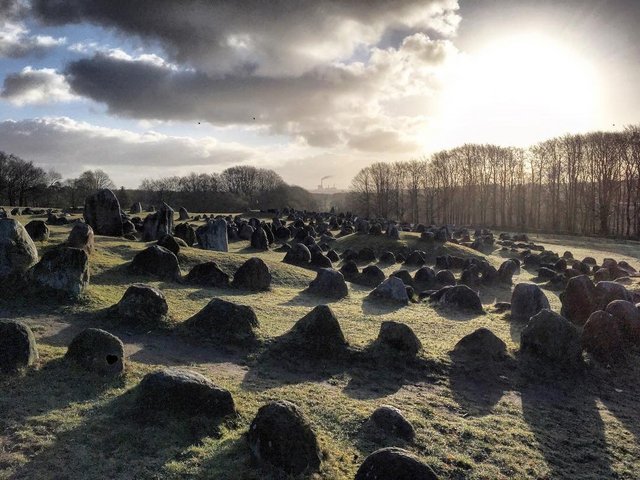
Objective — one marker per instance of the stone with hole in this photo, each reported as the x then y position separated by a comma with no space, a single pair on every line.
17,346
97,351
281,436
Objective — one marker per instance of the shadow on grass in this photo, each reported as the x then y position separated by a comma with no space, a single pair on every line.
116,440
376,306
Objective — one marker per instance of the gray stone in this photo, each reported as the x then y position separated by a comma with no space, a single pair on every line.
391,289
102,213
17,251
213,235
97,351
527,300
17,346
63,269
329,283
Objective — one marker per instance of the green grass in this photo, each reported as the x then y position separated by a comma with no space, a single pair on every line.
59,422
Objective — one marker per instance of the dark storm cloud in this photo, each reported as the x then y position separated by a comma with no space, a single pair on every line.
272,38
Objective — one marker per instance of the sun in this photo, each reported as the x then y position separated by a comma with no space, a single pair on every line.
517,90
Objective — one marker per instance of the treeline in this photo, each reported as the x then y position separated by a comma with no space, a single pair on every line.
581,184
235,189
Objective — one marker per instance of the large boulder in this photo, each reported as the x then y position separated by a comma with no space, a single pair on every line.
97,351
329,283
393,290
82,237
17,251
527,300
158,224
102,212
213,235
399,338
259,239
318,334
603,338
461,297
607,292
207,274
158,261
253,275
224,322
184,392
480,346
390,421
186,232
298,255
371,276
507,270
579,299
64,270
37,230
629,317
551,340
281,436
393,463
17,346
142,305
170,243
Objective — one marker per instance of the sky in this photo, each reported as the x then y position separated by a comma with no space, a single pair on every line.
309,88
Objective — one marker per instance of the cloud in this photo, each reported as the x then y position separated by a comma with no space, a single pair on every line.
283,38
325,107
36,86
70,147
16,41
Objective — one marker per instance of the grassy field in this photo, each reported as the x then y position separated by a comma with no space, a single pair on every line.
59,422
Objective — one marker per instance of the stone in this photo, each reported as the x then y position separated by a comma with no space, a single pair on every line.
415,259
366,255
602,338
97,351
321,261
170,243
253,275
371,276
480,346
393,463
245,232
157,261
607,292
392,289
213,235
259,239
183,392
64,270
136,208
392,423
158,224
329,283
17,251
628,316
317,334
403,275
102,212
552,340
579,299
187,233
350,270
17,346
37,230
387,258
399,338
207,274
527,300
445,277
281,436
462,297
425,276
225,322
333,256
144,305
298,255
82,237
183,214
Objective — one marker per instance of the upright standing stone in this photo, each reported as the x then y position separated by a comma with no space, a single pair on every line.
17,251
17,346
102,212
213,235
183,213
158,224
